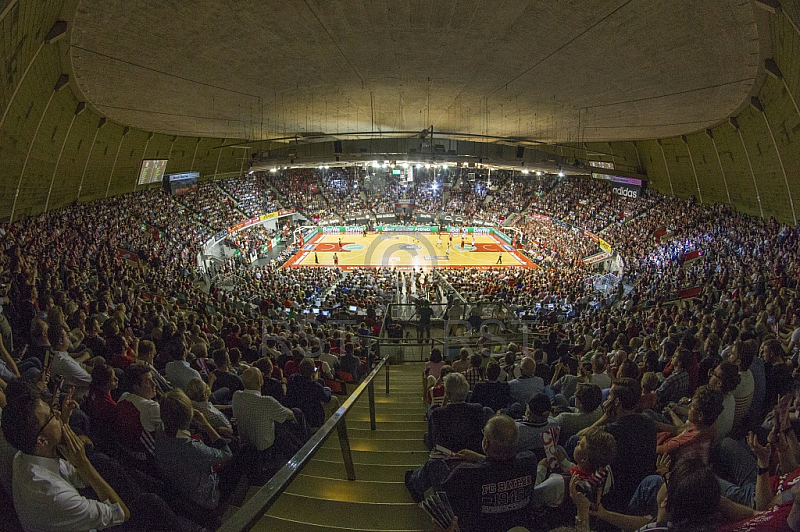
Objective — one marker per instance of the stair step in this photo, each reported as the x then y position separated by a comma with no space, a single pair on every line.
366,434
388,415
400,407
405,458
368,516
371,472
405,444
350,491
271,523
389,424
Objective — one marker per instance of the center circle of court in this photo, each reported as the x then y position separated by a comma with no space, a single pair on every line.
354,247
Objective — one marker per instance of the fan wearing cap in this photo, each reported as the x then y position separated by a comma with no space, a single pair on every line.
537,420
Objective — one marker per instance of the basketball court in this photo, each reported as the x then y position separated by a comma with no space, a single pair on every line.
404,250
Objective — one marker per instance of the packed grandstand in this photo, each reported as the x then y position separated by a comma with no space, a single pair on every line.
696,339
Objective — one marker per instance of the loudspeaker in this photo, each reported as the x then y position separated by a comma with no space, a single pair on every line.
520,152
337,146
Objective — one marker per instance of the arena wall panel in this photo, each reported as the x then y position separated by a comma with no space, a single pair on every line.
35,120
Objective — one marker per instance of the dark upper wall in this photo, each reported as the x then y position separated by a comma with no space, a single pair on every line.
768,183
53,150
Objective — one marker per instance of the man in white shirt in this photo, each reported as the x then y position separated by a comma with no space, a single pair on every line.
45,487
256,414
179,373
599,375
523,388
65,366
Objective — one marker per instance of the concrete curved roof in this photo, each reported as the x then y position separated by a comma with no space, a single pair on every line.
571,70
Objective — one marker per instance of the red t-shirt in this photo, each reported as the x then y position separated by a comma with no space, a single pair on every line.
774,519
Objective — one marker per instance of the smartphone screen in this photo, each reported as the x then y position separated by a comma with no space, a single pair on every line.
54,402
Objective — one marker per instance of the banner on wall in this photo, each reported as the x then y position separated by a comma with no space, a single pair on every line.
407,228
154,232
126,254
688,293
627,187
692,255
605,246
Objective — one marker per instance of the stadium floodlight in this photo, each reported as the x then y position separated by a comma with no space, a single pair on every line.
526,172
538,173
560,173
384,165
419,165
273,170
428,166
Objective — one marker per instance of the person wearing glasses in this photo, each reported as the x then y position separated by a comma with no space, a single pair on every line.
725,378
51,466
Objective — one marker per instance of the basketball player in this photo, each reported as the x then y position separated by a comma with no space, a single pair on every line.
447,251
335,260
462,243
499,258
473,239
439,241
316,259
340,243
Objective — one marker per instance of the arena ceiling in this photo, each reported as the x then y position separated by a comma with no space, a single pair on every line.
565,71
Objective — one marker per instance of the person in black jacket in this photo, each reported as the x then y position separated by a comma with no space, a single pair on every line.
491,393
304,392
456,425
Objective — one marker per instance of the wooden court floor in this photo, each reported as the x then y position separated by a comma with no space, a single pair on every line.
408,250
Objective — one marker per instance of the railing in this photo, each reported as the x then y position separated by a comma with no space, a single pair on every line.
259,504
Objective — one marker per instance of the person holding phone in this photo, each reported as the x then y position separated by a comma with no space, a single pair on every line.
51,466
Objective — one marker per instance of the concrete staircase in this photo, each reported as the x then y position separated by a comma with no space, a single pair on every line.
321,499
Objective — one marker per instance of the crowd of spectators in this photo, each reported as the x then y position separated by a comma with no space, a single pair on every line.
344,193
507,192
697,386
299,190
252,195
214,208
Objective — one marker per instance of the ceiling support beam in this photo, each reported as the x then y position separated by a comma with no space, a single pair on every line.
60,84
669,177
100,124
116,157
197,145
144,152
694,170
719,160
735,123
756,103
772,69
78,110
219,156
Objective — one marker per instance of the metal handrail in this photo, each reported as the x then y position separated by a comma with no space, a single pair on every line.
258,505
